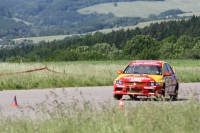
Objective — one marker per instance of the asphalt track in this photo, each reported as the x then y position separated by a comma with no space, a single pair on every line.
28,100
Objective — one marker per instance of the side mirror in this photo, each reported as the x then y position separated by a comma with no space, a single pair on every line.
120,71
167,74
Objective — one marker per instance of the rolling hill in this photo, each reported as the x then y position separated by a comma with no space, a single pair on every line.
53,18
143,8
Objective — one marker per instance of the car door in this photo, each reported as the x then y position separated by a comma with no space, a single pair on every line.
173,79
170,80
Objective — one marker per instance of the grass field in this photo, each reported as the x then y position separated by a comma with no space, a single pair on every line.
17,20
142,8
80,73
160,117
45,38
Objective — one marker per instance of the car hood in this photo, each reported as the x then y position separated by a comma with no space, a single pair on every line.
140,78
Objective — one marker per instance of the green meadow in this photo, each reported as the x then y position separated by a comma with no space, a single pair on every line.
78,73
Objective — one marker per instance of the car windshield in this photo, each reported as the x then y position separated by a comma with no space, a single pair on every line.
143,69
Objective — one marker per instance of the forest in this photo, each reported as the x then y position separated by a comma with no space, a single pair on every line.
58,17
166,40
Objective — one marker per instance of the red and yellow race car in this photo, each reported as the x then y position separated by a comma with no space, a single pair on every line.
147,79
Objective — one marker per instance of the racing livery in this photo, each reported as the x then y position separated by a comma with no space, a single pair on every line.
147,78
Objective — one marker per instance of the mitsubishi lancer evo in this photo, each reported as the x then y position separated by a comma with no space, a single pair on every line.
147,79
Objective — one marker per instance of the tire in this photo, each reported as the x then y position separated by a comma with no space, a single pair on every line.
162,96
117,97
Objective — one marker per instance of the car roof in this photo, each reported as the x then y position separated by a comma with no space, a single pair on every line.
147,62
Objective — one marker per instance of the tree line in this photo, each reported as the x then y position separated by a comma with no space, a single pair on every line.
166,40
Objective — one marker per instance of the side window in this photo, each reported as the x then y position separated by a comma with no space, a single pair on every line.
165,68
129,69
170,69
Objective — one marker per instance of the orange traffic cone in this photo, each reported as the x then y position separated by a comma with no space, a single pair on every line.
121,104
14,103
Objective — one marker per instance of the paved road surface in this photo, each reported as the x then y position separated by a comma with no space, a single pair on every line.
96,95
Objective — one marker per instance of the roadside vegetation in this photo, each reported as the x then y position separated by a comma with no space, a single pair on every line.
58,116
78,73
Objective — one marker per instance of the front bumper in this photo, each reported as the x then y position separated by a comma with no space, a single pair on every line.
137,90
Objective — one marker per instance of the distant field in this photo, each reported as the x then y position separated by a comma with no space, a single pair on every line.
60,37
140,25
17,20
190,14
143,8
44,38
132,9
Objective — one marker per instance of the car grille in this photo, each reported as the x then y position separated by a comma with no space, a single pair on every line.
139,84
134,91
118,89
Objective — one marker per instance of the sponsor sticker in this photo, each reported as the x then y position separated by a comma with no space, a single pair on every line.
148,87
137,79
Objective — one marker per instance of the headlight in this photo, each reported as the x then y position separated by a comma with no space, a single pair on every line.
119,82
154,84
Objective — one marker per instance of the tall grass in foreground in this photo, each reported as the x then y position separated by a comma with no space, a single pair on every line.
85,117
80,73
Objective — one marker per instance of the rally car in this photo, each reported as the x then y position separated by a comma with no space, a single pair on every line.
147,79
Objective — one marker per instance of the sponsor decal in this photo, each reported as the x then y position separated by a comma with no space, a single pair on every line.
148,87
147,63
131,79
121,86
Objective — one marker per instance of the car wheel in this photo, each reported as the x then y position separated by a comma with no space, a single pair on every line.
117,97
175,96
162,96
